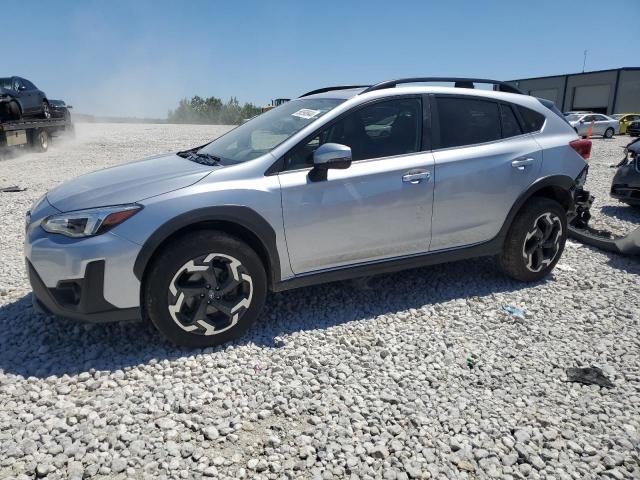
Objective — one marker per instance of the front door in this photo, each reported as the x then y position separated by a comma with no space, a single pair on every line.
24,96
370,211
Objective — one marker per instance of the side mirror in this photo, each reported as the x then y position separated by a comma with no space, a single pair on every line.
21,88
69,106
329,155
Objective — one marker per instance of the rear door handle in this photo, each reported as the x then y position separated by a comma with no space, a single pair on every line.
522,162
416,176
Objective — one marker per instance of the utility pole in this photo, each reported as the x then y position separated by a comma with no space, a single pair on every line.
584,62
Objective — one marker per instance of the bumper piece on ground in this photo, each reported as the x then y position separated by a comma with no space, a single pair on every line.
80,299
580,230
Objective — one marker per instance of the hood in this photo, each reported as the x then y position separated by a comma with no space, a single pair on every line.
128,183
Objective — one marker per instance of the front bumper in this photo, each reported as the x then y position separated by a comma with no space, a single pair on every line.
89,279
80,299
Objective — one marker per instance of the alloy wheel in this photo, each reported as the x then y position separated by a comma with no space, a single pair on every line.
542,242
209,294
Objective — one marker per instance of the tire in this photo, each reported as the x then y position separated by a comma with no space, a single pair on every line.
40,141
175,289
530,251
608,133
46,109
11,111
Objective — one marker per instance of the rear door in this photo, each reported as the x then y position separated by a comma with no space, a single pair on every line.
485,158
601,124
371,210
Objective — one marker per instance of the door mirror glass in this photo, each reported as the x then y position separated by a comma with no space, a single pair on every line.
21,88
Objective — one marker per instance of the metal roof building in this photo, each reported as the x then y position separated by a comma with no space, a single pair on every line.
601,91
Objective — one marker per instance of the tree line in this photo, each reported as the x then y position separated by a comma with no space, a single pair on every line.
212,110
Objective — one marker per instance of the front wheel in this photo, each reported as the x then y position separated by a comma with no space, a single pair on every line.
10,111
608,133
535,241
205,289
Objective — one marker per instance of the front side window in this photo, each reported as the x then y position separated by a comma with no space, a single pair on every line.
268,130
467,121
383,129
16,84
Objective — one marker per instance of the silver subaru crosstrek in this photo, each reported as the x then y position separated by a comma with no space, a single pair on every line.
341,182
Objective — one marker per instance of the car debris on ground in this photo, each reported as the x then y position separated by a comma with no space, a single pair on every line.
589,376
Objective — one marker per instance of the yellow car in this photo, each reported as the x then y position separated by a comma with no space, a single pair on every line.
625,119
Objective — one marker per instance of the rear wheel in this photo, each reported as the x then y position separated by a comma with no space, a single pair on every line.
535,241
46,109
40,141
608,133
205,289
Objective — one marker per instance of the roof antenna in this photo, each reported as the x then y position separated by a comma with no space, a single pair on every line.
584,62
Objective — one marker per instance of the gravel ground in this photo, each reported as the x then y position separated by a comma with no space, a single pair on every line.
418,374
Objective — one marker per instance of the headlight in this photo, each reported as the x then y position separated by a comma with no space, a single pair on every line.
86,223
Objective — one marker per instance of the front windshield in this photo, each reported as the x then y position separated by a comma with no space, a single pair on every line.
573,117
263,133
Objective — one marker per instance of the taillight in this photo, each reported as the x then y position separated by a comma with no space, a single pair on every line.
582,146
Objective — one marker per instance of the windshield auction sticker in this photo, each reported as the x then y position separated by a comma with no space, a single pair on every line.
306,113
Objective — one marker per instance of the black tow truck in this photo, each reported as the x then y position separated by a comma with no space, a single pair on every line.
32,133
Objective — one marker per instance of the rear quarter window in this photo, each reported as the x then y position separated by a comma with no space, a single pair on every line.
510,125
532,120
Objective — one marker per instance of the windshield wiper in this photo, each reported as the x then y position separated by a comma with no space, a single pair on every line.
199,157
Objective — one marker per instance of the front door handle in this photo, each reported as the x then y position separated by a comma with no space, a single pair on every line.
416,176
522,162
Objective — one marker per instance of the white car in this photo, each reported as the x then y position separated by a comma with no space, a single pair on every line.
602,125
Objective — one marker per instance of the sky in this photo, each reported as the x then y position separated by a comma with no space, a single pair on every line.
139,58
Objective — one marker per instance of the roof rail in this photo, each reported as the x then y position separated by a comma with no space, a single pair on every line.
459,82
328,89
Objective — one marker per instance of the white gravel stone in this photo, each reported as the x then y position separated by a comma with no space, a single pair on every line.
347,380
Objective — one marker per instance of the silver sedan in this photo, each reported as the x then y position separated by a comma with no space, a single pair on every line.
602,125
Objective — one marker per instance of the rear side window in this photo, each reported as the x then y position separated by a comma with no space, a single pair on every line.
466,121
533,121
510,125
